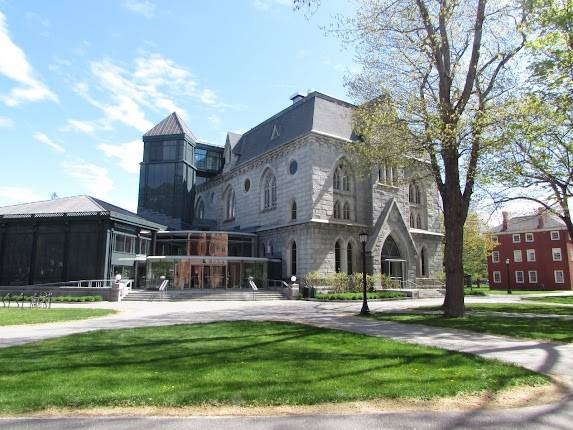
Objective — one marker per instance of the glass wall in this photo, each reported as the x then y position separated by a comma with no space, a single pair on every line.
82,255
208,160
49,254
17,255
213,244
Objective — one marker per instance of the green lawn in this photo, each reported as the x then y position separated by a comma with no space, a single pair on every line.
566,300
517,308
533,328
237,363
358,296
14,316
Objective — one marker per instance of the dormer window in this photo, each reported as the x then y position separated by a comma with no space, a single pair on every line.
276,132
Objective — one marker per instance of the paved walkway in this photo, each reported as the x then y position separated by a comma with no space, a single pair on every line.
547,357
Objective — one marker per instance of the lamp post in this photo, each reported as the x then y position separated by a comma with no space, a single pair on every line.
363,239
507,271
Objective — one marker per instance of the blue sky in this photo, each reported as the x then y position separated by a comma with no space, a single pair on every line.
81,81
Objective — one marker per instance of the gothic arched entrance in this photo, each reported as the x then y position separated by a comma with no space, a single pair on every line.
392,261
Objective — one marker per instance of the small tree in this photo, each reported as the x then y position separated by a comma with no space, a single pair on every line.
477,246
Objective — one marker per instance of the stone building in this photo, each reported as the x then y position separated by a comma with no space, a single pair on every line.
290,181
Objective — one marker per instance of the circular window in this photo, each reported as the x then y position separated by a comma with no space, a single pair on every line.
247,185
293,167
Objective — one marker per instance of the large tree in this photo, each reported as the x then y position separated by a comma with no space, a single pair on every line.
477,246
535,162
433,73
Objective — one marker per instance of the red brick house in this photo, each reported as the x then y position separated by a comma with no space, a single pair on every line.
536,251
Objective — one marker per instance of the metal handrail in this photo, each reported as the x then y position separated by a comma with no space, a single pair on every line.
271,283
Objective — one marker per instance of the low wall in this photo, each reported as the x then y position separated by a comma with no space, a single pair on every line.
107,293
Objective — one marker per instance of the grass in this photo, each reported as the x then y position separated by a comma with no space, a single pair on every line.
554,329
237,363
514,308
566,300
14,316
358,296
485,291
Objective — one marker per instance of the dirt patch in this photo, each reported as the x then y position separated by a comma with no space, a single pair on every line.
508,398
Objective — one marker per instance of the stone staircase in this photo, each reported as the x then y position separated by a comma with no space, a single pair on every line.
205,294
427,293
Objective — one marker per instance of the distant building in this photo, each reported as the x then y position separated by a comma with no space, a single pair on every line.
537,251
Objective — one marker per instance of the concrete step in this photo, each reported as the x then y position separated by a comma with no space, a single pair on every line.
427,293
178,295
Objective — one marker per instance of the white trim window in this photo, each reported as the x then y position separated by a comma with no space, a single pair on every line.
532,275
529,237
517,256
554,235
559,276
519,277
495,257
530,254
556,253
516,238
497,277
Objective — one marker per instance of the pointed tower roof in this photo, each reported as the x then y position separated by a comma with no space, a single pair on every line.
171,125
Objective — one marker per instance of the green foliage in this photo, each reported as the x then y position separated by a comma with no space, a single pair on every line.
566,300
27,315
243,363
477,247
59,299
358,296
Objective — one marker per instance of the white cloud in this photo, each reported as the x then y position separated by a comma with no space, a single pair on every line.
155,83
15,195
215,119
43,138
15,66
94,179
142,7
128,154
6,122
267,4
81,126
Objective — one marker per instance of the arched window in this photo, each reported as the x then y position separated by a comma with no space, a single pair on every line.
270,191
200,210
230,204
349,258
337,260
423,263
293,210
418,195
336,179
293,258
412,223
394,175
345,180
388,170
337,209
412,194
419,221
346,211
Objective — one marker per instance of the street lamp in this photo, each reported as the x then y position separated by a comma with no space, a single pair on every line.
507,271
363,239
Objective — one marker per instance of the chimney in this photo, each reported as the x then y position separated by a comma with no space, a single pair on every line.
540,220
296,97
505,220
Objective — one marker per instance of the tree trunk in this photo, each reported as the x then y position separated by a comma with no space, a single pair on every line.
453,252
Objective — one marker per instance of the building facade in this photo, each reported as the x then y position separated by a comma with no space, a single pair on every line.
533,252
71,238
290,182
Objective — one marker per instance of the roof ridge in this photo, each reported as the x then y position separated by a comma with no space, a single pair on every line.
94,201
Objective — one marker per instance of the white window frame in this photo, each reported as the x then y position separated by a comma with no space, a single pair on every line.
495,257
560,272
528,253
517,280
554,254
516,236
497,277
529,237
532,272
554,235
516,253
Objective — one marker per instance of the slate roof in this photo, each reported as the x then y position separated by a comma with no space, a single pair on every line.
233,138
171,125
76,206
530,223
315,112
